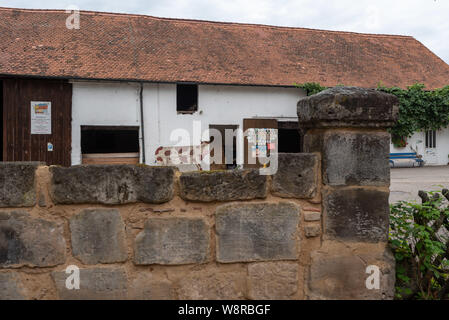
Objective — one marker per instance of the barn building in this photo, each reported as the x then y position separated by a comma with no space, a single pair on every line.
115,89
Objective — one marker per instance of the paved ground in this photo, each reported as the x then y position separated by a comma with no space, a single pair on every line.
406,182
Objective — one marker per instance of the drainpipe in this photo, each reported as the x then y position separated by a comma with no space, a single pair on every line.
142,121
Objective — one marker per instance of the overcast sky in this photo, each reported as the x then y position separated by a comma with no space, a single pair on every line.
426,20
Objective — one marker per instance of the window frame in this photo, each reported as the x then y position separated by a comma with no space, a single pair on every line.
192,109
431,139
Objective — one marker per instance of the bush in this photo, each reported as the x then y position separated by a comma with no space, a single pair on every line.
419,239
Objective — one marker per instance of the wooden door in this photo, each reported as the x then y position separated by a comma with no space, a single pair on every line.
223,165
255,124
19,144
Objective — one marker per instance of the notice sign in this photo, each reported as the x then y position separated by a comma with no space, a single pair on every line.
40,117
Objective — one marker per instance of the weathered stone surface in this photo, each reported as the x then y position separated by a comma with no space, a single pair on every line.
228,185
11,287
312,216
348,106
111,184
172,241
351,158
95,284
98,236
146,287
257,232
341,275
17,184
155,184
314,140
312,230
273,280
356,214
207,285
296,176
42,201
27,241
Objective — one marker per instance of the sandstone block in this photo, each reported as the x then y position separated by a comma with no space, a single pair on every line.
111,184
348,106
18,184
172,241
312,230
98,236
146,287
312,216
296,176
356,159
273,280
207,285
228,185
356,214
10,286
257,232
27,241
95,284
340,275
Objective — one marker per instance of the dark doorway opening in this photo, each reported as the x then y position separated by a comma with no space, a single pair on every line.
98,139
1,121
289,137
110,145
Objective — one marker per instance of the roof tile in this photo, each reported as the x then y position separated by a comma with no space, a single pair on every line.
144,48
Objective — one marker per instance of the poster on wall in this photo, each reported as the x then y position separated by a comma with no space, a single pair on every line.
40,117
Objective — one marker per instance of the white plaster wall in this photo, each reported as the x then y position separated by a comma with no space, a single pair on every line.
97,103
225,105
432,157
100,103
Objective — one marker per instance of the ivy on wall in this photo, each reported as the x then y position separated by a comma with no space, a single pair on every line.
311,88
419,109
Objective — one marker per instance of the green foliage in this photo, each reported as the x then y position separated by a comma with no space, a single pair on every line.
398,141
420,109
421,247
311,88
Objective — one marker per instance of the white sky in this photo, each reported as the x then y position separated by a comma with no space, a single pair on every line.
426,20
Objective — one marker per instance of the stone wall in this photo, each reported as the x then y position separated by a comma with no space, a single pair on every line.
151,232
136,232
347,127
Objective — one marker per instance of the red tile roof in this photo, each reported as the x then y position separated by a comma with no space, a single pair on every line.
144,48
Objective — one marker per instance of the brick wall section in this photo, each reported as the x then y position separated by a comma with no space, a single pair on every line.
139,232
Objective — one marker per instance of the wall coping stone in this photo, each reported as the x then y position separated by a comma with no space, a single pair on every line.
348,107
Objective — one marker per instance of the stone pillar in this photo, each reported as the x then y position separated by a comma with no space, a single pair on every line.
347,126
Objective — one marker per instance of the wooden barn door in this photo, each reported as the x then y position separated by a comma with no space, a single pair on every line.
255,124
54,146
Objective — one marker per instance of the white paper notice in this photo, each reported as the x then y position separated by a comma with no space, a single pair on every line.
40,117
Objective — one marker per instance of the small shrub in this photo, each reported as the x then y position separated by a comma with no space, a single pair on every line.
311,88
419,239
